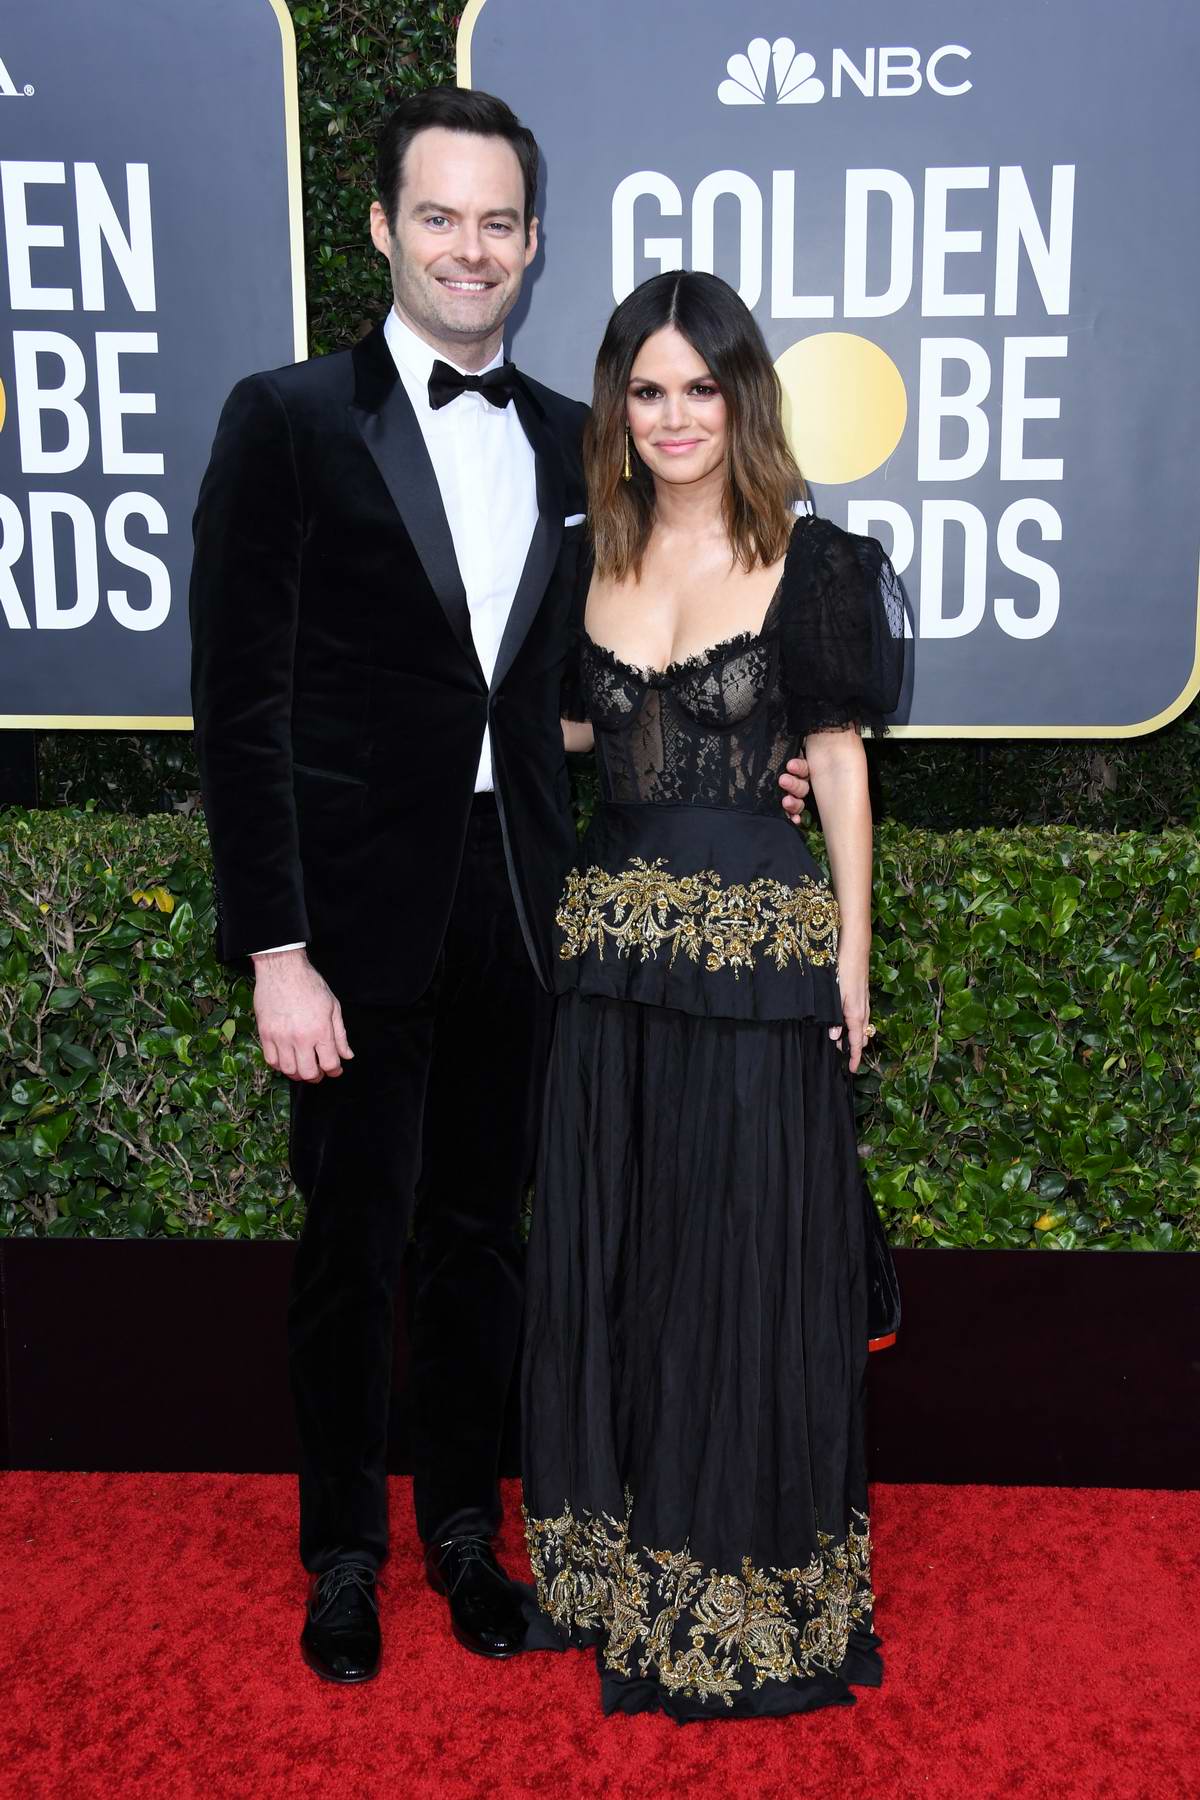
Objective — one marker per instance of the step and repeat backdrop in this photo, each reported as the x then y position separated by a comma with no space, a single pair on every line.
968,233
150,234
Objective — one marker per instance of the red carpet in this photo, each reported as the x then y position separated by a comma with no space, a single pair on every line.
1039,1642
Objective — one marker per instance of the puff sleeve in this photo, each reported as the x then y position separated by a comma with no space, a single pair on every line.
843,630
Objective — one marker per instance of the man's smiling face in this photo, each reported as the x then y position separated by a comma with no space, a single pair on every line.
458,251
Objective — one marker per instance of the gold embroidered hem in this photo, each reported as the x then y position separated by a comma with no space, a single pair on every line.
644,908
758,1625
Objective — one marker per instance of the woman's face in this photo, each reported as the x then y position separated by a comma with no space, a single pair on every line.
675,410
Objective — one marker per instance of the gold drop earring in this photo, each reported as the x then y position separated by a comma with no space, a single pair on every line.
628,471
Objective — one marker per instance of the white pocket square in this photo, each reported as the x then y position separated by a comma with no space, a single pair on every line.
574,519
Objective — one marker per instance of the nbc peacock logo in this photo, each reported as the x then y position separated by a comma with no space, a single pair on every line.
877,72
795,75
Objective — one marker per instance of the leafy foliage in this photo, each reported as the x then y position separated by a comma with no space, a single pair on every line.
135,1101
356,59
1037,992
1149,783
119,771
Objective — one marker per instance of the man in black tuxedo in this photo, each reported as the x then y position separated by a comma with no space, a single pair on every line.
385,545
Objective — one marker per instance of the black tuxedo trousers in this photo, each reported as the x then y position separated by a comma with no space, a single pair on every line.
432,1125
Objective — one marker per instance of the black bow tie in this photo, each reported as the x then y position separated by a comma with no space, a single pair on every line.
445,384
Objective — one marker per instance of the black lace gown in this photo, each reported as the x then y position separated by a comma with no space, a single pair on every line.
696,1343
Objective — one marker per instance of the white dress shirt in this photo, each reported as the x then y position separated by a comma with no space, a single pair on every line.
485,472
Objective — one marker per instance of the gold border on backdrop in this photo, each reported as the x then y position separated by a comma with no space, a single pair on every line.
1180,704
291,128
1181,701
291,133
466,28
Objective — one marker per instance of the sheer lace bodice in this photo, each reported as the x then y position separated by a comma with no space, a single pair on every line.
717,728
711,730
692,889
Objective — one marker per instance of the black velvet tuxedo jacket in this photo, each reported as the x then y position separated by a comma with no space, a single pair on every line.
338,700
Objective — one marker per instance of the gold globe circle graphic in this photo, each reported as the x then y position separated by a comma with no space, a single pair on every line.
844,405
3,405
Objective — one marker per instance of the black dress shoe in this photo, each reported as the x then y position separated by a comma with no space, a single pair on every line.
340,1640
485,1608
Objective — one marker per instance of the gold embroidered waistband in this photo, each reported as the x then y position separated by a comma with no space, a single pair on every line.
700,1631
644,908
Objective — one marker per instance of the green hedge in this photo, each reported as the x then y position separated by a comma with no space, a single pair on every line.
1033,1082
135,1102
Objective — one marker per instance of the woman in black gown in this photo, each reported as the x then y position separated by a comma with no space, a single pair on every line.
695,1492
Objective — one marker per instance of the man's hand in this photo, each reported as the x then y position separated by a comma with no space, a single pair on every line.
299,1020
795,784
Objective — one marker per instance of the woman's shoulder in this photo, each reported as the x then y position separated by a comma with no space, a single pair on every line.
816,537
839,568
843,628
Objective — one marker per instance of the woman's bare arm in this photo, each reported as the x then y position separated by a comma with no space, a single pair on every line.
576,737
838,768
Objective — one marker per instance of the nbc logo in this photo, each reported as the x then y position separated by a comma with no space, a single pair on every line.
796,80
9,88
891,72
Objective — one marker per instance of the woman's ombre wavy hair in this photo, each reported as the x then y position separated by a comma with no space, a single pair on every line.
762,480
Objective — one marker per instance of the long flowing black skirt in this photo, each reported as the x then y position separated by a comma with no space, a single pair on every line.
696,1347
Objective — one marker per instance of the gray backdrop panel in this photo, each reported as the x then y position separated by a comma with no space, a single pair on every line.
197,93
621,87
